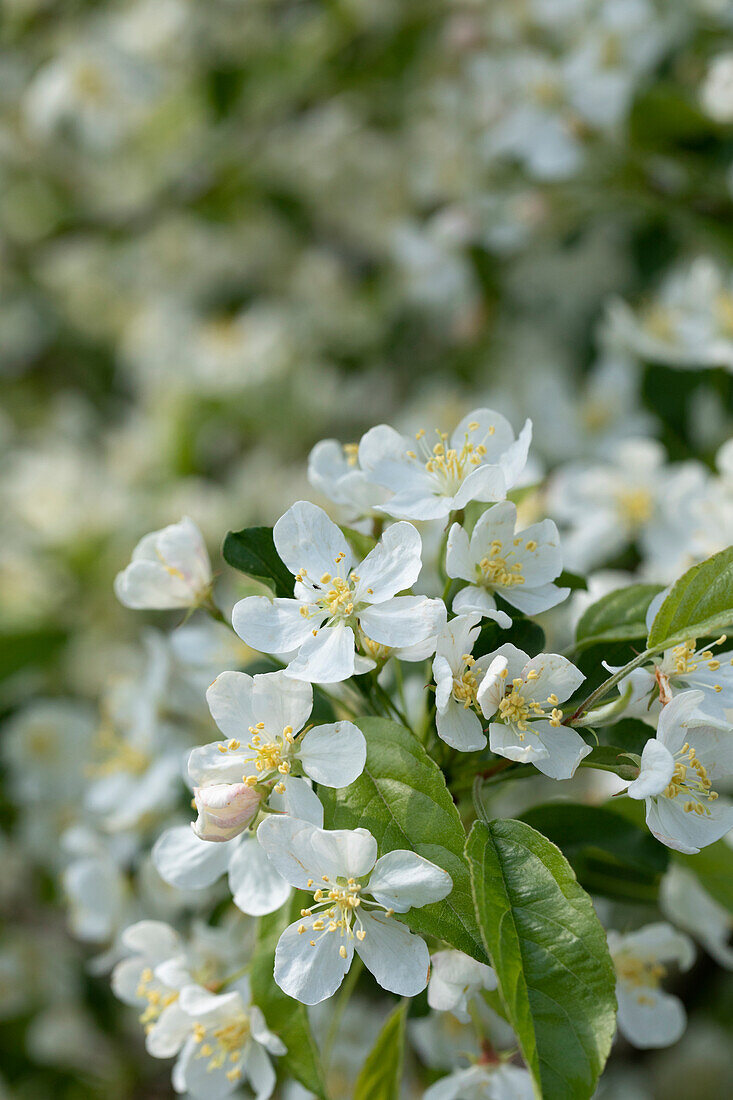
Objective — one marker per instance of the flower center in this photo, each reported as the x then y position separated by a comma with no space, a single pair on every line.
685,659
269,754
466,685
224,1044
156,998
448,466
518,709
691,779
639,973
494,570
333,594
117,755
634,506
335,906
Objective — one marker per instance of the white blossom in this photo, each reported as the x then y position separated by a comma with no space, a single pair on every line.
479,460
457,676
338,602
355,896
483,1081
690,753
169,568
647,1016
454,979
522,694
267,712
495,561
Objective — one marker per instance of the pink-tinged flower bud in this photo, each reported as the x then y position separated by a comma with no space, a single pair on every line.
225,810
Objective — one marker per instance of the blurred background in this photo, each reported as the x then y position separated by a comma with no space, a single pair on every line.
231,229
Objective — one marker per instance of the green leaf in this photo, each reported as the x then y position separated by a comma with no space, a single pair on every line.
714,869
573,581
700,603
286,1017
609,854
252,551
550,955
381,1074
616,617
402,799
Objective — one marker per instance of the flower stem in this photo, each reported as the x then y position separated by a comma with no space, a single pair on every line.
607,685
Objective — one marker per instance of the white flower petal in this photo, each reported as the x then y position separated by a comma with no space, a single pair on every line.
403,880
259,1071
533,601
657,769
326,657
230,703
257,887
279,701
271,626
458,557
262,1034
298,799
401,621
311,973
398,959
565,750
504,741
477,601
649,1017
306,539
687,832
152,938
460,727
333,754
485,483
169,1032
393,565
184,861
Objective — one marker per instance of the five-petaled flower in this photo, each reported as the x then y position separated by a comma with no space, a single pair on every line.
678,768
495,561
521,694
336,602
457,676
355,897
262,716
647,1016
430,478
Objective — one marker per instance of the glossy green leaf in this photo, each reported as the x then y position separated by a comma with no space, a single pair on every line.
550,955
252,551
617,617
700,603
609,854
286,1017
381,1074
402,799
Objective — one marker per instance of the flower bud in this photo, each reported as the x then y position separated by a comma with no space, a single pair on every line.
225,810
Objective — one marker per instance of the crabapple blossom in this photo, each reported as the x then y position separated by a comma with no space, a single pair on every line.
495,561
716,93
457,676
337,603
267,712
334,470
354,900
647,1016
678,767
454,979
480,460
521,694
169,568
483,1081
